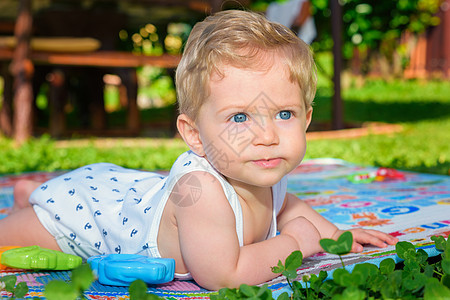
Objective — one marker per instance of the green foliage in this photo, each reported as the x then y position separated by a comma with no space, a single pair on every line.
44,154
8,283
421,107
341,246
261,5
138,291
244,292
288,269
81,278
417,278
290,266
374,27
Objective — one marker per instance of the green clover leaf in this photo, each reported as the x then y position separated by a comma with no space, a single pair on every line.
21,290
82,277
58,290
405,250
439,242
294,261
387,266
342,246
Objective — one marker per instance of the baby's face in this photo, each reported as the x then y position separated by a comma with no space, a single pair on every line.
253,124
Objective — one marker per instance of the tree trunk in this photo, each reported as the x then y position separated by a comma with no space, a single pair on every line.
22,70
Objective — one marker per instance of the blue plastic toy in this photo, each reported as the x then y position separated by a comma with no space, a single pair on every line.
123,269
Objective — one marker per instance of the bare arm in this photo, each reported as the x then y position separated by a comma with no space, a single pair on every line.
210,247
293,207
304,13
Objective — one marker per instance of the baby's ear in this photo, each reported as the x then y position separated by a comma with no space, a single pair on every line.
308,117
189,132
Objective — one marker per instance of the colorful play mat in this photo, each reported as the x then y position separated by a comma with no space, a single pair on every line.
410,206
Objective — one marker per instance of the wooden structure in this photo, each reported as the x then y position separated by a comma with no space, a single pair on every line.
18,92
98,59
18,76
431,54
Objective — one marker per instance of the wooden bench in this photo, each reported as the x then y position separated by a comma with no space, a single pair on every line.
98,59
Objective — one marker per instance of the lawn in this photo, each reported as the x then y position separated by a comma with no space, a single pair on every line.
422,107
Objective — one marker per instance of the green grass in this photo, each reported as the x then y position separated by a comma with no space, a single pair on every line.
44,154
422,107
422,147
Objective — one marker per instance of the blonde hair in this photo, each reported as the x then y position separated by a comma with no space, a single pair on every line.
235,38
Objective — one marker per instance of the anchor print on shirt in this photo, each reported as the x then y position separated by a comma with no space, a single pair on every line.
89,177
98,245
71,246
72,192
124,220
44,187
113,179
67,178
147,209
79,207
118,249
97,213
133,232
87,226
50,200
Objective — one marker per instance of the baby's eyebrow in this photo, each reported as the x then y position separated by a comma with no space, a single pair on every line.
234,107
290,106
258,108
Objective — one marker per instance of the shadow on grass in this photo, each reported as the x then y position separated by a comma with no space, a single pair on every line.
387,112
395,112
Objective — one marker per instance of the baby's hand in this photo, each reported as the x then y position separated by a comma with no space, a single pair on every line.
368,236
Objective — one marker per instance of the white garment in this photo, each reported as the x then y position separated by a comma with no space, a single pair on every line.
286,12
103,208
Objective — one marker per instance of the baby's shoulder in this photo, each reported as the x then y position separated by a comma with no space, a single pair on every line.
197,180
191,187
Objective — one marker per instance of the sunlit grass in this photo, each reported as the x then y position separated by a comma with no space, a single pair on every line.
421,107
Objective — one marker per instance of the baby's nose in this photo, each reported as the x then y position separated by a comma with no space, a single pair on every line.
266,134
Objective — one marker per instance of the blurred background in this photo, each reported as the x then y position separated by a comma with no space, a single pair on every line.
394,74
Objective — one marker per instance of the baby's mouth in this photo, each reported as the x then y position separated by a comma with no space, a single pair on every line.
267,163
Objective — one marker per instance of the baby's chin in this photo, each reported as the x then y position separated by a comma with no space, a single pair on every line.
256,181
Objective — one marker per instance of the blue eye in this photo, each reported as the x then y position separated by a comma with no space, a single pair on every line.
239,118
284,115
